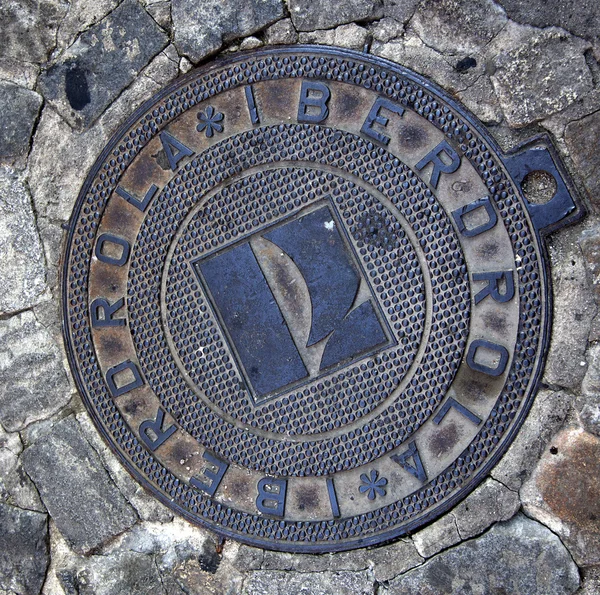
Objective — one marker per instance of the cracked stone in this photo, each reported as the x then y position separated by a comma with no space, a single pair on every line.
28,27
161,13
201,28
573,312
489,503
101,63
546,417
458,26
147,507
401,10
276,582
309,15
387,29
541,77
33,383
591,581
250,43
582,139
124,572
24,554
519,557
20,108
386,561
564,493
437,536
582,19
18,72
61,157
281,32
82,500
22,268
346,36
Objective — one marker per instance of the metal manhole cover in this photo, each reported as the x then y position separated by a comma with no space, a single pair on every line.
305,300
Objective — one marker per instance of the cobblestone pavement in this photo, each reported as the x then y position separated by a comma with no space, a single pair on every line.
70,72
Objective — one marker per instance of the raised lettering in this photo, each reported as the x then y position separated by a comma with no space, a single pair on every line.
374,117
271,496
480,203
101,313
141,204
500,354
439,166
335,508
416,468
174,149
154,427
252,109
103,245
460,408
117,378
313,95
214,474
493,286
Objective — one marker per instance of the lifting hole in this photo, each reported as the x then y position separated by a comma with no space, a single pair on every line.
539,187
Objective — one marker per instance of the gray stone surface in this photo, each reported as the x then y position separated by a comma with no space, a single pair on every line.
489,503
582,138
275,582
33,383
20,73
20,108
573,310
581,18
101,63
281,32
308,15
437,536
519,557
28,27
23,550
401,10
541,76
81,499
458,26
22,268
346,36
547,415
564,493
201,28
588,403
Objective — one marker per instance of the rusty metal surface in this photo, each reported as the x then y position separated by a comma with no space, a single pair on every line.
305,299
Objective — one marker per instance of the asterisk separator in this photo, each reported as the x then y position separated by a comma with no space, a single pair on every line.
371,485
209,121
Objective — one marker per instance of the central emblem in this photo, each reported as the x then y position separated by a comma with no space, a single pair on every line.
305,298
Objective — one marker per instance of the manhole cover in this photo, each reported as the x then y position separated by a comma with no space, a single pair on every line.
305,300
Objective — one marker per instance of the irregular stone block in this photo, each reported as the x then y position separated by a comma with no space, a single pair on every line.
458,26
583,138
28,27
546,417
541,76
101,63
20,73
347,36
33,383
201,28
20,108
275,582
84,503
22,268
489,503
521,557
564,493
401,10
281,32
308,15
440,535
24,554
573,312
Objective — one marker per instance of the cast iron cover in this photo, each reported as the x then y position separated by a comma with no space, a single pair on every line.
305,299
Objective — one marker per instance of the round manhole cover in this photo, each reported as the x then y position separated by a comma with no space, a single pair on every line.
305,300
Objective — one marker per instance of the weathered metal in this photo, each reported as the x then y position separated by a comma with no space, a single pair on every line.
305,299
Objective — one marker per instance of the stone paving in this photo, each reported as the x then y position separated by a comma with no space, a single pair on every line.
73,521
